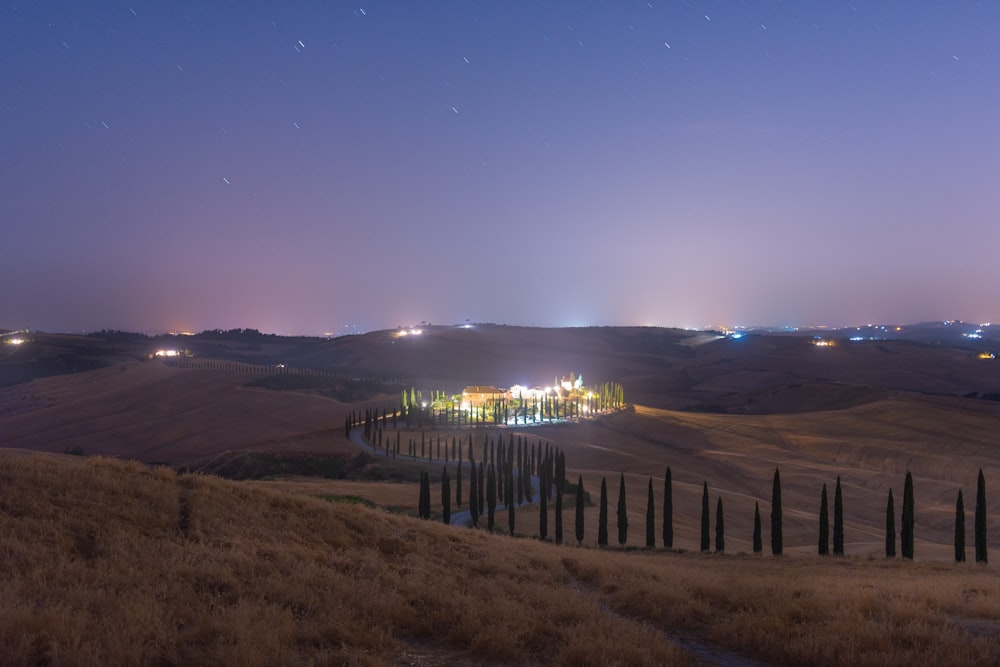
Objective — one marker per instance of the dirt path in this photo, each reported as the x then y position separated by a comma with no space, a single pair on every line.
705,653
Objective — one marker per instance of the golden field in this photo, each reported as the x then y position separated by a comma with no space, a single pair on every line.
109,562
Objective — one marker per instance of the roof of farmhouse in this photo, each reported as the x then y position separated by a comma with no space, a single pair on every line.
481,389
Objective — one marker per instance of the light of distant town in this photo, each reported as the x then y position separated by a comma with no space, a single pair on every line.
17,341
166,353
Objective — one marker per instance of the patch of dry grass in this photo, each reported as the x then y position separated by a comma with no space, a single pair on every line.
107,562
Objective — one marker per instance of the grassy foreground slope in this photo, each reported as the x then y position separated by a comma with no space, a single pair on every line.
107,562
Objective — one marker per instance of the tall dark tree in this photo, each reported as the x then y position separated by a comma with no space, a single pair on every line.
445,496
906,527
668,511
474,510
543,517
510,518
579,510
980,537
650,517
458,484
559,516
758,543
424,508
706,543
481,488
824,524
959,529
602,515
622,513
890,528
491,498
838,520
720,528
777,539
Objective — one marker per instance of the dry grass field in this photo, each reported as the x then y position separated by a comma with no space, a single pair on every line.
108,562
156,413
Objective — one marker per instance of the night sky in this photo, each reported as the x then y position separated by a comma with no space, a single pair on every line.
307,167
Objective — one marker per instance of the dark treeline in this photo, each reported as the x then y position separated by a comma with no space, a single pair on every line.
507,466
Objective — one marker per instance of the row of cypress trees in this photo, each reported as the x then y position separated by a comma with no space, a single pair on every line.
777,539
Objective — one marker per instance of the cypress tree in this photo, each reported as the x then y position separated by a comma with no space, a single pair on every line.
838,520
824,525
705,543
906,529
491,498
510,501
668,511
481,488
776,534
579,510
458,485
473,496
602,515
980,519
650,517
445,497
959,529
543,517
559,516
890,528
758,545
720,530
424,509
622,513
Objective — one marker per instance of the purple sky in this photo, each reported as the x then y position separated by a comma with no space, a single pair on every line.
301,166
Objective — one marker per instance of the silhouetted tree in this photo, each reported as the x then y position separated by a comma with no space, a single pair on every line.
602,515
906,529
458,484
445,497
720,529
559,516
824,525
980,536
481,488
424,509
890,528
510,518
776,534
959,529
579,510
622,513
491,498
543,517
473,496
706,544
668,511
838,520
758,544
650,517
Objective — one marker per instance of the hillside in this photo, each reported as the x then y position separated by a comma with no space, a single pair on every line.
144,566
156,413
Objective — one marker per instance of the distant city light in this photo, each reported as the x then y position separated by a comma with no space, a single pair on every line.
16,341
987,355
819,342
166,353
408,332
